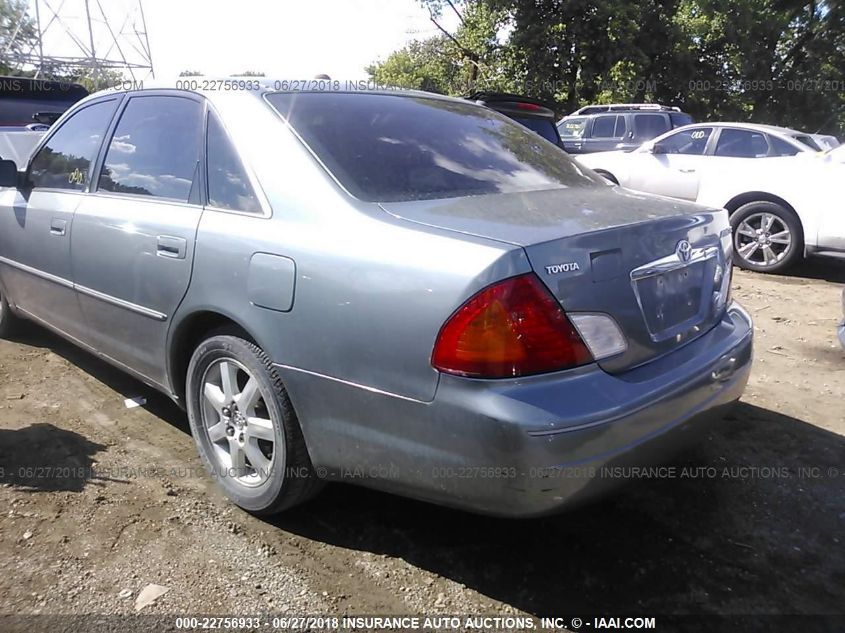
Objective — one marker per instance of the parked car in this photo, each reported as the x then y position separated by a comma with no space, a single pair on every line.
27,109
533,114
402,286
781,208
622,126
35,103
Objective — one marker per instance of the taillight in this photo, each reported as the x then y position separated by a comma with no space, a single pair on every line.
513,328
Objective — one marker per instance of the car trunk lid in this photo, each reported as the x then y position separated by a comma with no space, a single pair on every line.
658,267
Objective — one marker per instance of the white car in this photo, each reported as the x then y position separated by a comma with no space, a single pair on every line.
782,206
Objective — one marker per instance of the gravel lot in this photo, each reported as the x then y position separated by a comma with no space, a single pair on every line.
749,540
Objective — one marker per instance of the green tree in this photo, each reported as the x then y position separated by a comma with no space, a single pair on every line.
456,62
17,34
771,61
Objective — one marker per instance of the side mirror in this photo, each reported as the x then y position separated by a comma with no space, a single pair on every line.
657,148
8,173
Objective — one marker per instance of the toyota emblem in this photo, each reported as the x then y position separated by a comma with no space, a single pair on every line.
684,251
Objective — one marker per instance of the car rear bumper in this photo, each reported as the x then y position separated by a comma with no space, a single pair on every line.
524,447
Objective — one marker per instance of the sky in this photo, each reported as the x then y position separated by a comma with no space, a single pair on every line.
294,39
282,38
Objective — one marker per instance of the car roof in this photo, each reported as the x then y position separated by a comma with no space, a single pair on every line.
759,127
209,86
594,109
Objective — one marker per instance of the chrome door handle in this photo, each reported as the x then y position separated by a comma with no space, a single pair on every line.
58,227
172,247
687,171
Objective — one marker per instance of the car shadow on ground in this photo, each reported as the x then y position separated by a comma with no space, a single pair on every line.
43,457
821,268
157,403
756,526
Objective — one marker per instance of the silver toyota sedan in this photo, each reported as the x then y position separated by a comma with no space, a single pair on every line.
396,289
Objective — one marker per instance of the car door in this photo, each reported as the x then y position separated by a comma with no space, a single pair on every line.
607,131
36,224
673,166
133,239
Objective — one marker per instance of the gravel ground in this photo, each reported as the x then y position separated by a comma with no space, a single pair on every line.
101,501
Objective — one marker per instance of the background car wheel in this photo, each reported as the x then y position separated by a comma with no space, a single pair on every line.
767,237
8,320
245,427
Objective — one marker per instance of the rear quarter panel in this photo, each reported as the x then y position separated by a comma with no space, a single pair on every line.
370,291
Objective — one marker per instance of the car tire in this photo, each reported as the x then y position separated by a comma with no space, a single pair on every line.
231,382
9,321
767,237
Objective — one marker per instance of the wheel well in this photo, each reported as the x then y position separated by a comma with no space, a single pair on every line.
188,335
756,196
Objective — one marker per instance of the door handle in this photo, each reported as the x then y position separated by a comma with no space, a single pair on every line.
172,247
687,171
58,227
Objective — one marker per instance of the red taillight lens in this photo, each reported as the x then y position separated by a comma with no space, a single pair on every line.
512,328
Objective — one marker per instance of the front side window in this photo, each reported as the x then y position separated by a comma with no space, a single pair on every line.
605,127
65,160
648,126
155,148
742,144
392,148
228,184
692,142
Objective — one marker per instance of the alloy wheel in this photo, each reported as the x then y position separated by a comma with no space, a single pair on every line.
763,239
238,424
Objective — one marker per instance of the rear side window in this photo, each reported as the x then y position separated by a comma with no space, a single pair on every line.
155,149
611,126
64,162
782,148
391,148
742,144
228,183
809,142
691,142
648,126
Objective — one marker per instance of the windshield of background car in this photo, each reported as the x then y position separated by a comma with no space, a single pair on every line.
572,128
391,148
543,127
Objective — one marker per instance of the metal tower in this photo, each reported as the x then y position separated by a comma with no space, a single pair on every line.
94,38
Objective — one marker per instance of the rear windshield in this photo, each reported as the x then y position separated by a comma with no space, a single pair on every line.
543,127
391,148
